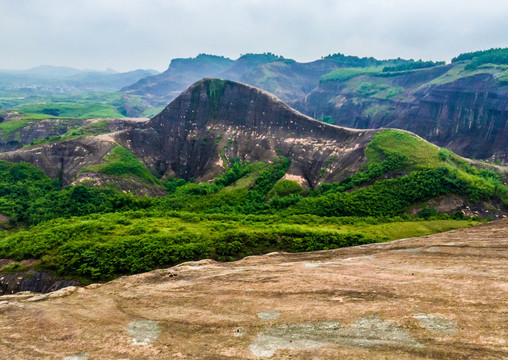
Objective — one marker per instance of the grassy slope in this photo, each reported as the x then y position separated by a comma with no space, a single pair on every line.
74,106
121,162
246,211
9,127
227,220
67,110
372,83
344,74
418,154
100,247
75,131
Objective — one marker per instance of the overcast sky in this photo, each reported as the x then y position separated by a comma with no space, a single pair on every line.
129,34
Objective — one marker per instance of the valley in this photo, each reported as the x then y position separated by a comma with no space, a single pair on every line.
225,171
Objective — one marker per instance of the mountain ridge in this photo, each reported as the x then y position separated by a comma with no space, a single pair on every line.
431,99
215,123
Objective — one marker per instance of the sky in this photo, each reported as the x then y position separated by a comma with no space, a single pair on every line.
131,34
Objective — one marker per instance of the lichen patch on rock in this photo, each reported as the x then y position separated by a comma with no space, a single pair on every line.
143,332
437,324
81,356
268,315
367,332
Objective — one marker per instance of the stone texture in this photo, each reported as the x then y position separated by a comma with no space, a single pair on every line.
360,303
468,115
211,120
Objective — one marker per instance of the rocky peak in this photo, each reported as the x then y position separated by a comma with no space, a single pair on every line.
205,128
216,120
201,63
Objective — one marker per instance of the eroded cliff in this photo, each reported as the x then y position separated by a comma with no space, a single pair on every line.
466,113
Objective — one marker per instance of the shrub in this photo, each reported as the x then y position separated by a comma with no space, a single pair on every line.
285,187
427,213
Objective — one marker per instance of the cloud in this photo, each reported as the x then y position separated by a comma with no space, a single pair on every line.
128,34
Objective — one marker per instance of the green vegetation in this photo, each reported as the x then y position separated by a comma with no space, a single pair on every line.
39,106
391,197
99,233
28,197
357,62
456,72
369,89
95,128
353,61
377,110
285,187
412,65
502,79
68,111
215,88
265,57
14,268
344,74
393,91
327,119
377,90
431,172
492,56
369,66
413,152
104,247
9,127
120,162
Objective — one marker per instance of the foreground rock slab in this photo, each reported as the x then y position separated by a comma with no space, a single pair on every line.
443,296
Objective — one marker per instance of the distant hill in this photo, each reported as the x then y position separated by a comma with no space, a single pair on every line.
162,88
56,79
286,78
50,71
462,105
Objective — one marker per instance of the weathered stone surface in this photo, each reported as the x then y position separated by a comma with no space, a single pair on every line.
143,332
366,302
213,116
63,159
468,115
33,281
210,121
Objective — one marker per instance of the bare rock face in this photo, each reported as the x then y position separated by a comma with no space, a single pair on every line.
63,159
41,282
436,297
44,129
215,121
468,115
208,125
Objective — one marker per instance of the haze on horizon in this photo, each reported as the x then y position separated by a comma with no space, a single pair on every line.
130,34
